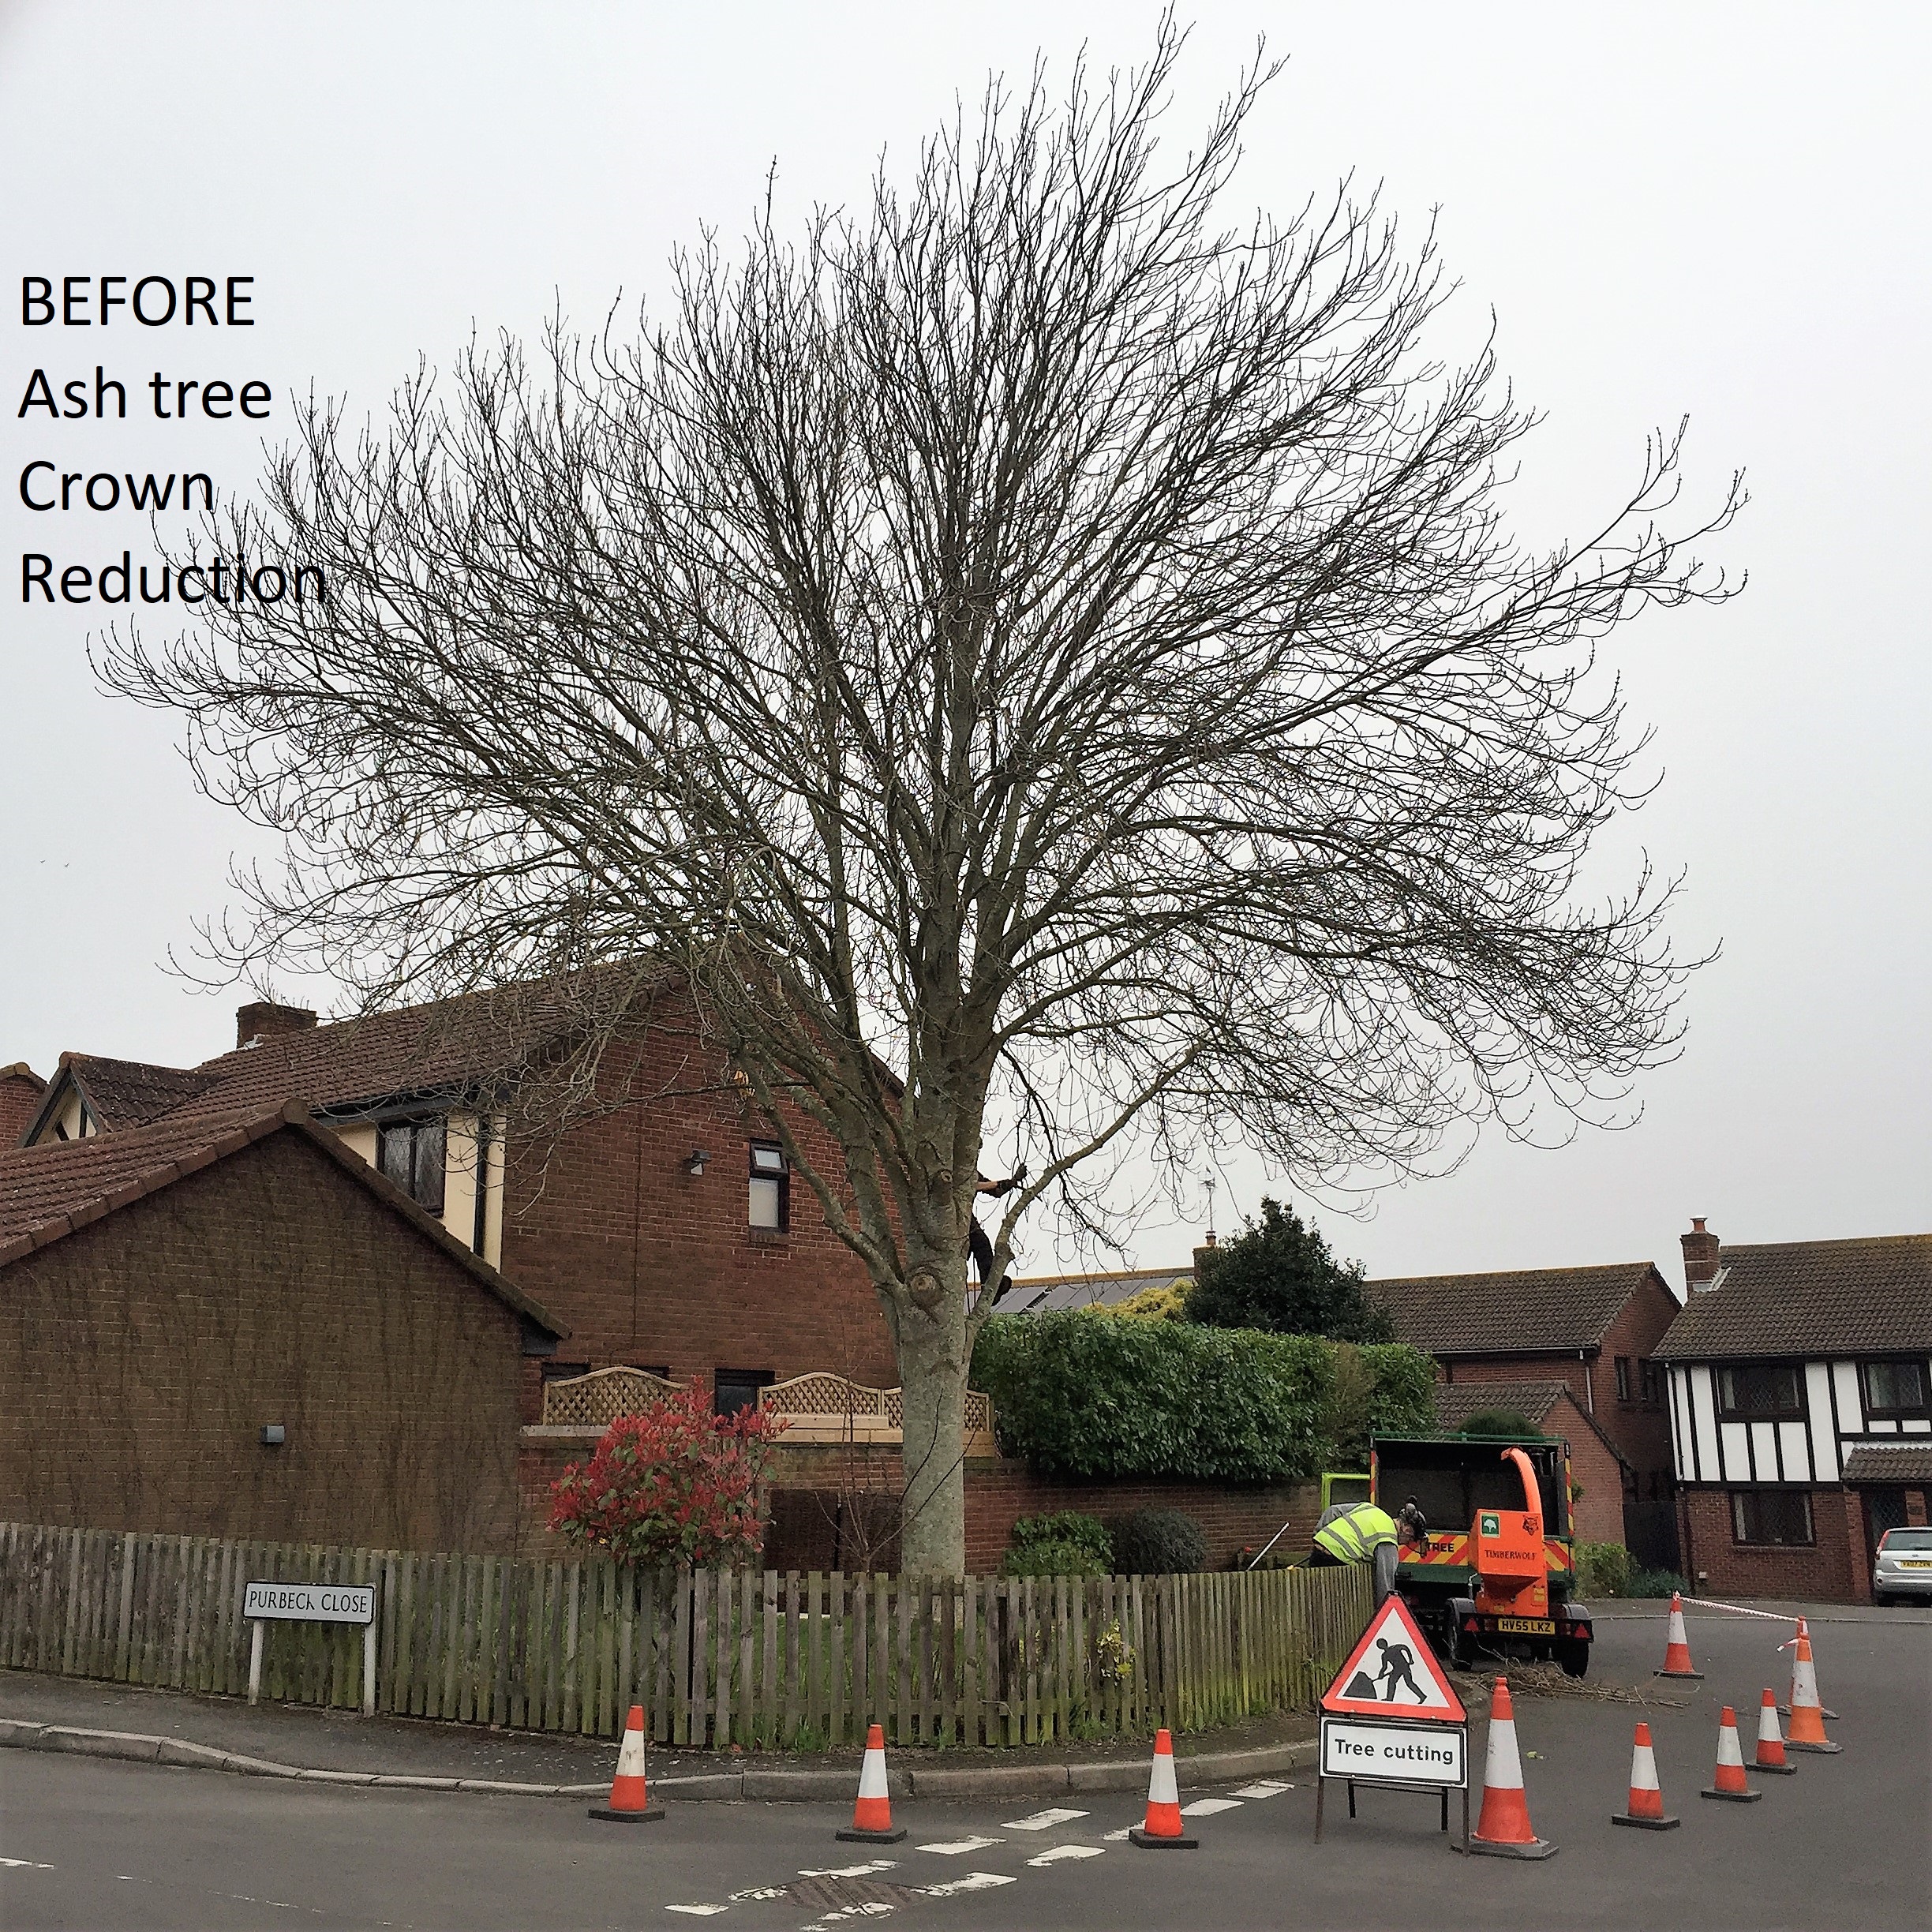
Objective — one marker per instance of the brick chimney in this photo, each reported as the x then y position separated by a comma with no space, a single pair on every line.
21,1091
1700,1255
262,1020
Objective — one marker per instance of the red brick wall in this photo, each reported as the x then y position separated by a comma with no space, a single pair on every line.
1566,1370
997,1494
1835,1570
646,1262
140,1356
1599,1511
1641,1430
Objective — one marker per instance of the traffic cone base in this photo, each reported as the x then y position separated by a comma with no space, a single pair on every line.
1742,1797
1698,1676
1485,1847
630,1797
1792,1744
1645,1824
1151,1841
850,1834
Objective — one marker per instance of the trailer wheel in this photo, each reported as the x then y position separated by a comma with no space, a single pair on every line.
1574,1656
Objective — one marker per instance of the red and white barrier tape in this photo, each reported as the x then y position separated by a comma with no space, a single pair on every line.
1770,1616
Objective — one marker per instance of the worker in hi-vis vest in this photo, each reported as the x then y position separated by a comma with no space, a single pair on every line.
1352,1532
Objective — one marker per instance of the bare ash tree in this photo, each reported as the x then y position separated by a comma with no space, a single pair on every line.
1028,654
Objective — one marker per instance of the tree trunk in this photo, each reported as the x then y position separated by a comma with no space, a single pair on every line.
934,1355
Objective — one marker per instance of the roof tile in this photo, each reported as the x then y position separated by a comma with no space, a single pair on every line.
1526,1311
1815,1298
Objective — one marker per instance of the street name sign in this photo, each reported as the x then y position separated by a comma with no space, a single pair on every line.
311,1602
263,1604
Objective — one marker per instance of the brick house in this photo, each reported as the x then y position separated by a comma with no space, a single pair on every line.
1594,1329
236,1328
1801,1407
661,1225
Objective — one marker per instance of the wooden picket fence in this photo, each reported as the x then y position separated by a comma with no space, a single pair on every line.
716,1658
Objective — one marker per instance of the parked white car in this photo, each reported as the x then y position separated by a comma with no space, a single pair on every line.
1904,1568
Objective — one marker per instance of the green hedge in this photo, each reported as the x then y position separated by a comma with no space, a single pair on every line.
1077,1397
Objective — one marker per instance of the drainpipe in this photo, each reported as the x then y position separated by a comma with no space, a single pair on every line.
1589,1380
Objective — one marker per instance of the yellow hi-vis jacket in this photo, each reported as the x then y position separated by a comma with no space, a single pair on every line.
1351,1531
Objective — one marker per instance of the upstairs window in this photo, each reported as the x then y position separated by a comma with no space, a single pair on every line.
771,1187
410,1154
1623,1378
1895,1391
1776,1518
1651,1381
1760,1392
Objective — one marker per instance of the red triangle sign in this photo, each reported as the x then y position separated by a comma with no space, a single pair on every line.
1394,1673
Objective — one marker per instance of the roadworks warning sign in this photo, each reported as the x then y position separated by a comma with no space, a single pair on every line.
1394,1673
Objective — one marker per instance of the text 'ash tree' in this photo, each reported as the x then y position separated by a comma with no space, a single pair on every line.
1028,655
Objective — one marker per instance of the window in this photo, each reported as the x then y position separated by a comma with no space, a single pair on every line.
555,1371
1762,1392
733,1389
1623,1378
409,1152
1651,1380
1774,1516
1895,1391
771,1187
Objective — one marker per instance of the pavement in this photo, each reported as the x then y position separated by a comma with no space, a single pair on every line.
1842,1844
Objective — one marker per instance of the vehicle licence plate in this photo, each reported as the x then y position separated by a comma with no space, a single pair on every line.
1915,1562
1528,1627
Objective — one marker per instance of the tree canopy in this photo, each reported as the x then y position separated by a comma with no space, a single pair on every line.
1280,1275
1037,652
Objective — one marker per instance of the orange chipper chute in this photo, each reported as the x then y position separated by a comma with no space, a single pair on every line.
1512,1574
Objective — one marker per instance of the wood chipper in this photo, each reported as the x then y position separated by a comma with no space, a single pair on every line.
1494,1575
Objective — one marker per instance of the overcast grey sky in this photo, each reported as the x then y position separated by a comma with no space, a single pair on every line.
1720,211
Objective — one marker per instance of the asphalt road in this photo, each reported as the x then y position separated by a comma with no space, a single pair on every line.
1844,1845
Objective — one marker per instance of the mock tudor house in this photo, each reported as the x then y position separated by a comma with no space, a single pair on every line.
1593,1330
1801,1407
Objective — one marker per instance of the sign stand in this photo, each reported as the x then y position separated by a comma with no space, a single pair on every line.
312,1603
1392,1721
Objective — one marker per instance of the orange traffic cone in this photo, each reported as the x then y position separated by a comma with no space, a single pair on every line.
1503,1829
1807,1715
630,1802
1163,1831
1729,1780
1646,1795
872,1815
1677,1645
1770,1754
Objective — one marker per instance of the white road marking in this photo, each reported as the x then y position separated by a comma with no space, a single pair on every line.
1206,1807
849,1871
699,1912
1267,1788
1043,1821
958,1845
758,1892
1118,1838
23,1865
1066,1852
973,1882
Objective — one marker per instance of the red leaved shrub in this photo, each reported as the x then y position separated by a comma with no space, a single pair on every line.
673,1484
